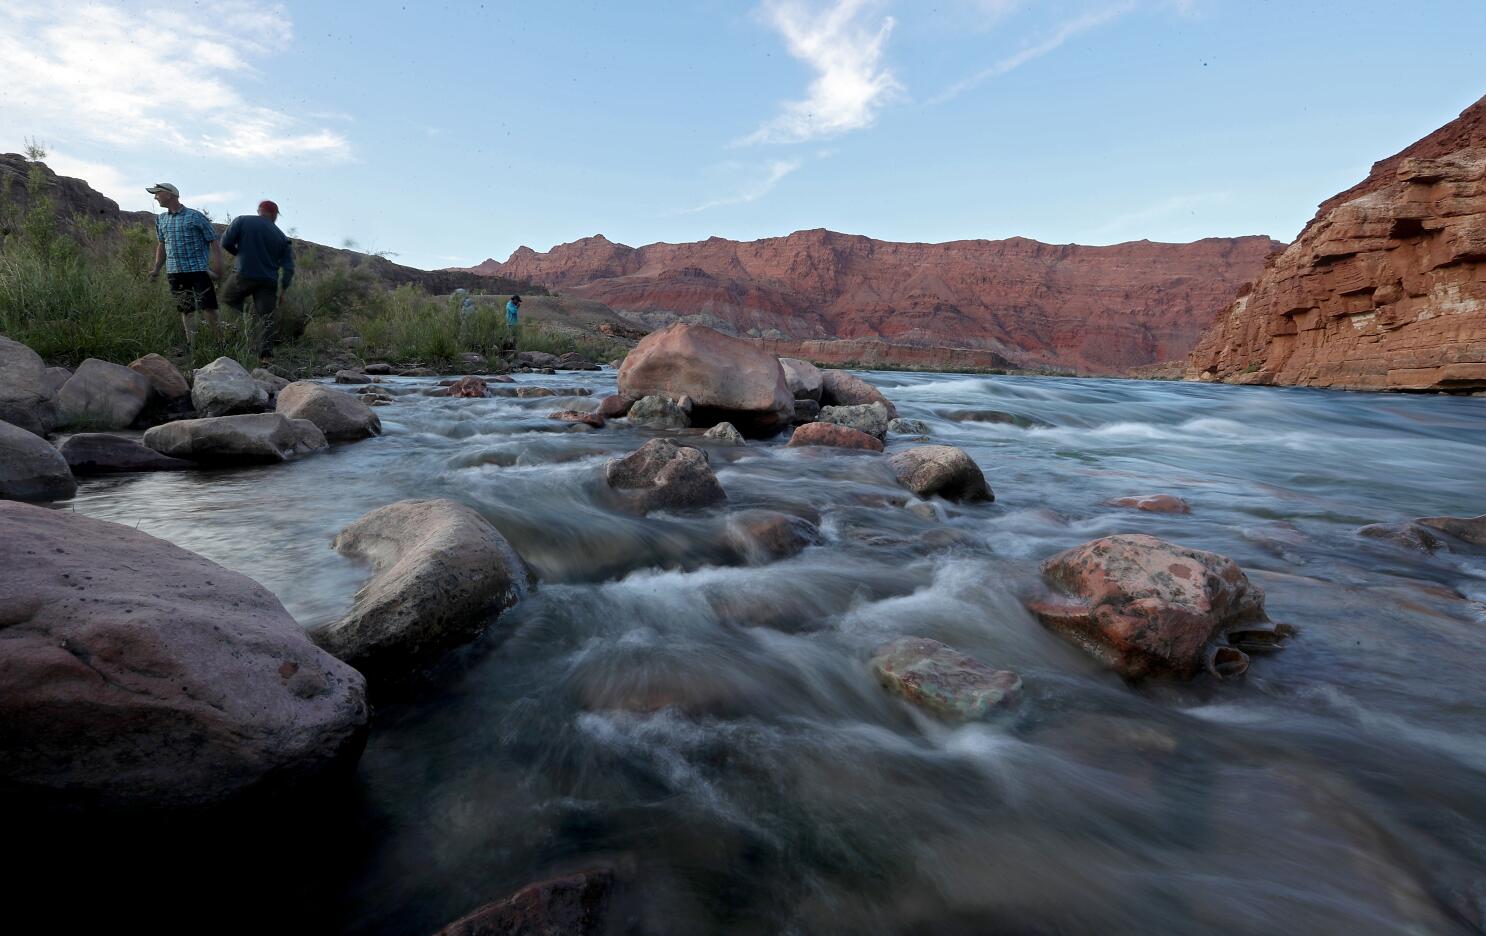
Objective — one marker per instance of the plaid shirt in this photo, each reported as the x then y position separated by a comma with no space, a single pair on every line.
186,236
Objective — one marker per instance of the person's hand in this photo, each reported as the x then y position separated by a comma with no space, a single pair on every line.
154,274
281,296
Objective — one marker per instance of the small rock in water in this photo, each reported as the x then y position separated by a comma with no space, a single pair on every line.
470,387
1154,503
765,535
351,377
833,436
593,420
727,433
339,415
913,427
871,418
944,470
994,416
1470,529
943,680
658,412
662,475
615,405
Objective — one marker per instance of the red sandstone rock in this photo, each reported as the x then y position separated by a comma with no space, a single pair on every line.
727,379
468,387
615,405
1096,309
1384,289
835,436
578,416
1155,503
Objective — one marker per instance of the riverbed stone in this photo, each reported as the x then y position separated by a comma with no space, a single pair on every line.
838,388
578,417
573,904
804,379
100,395
340,416
728,379
942,470
725,433
658,412
941,679
27,397
440,572
31,469
137,675
1147,607
662,475
104,453
224,388
166,379
1470,529
833,436
615,405
248,438
911,427
468,387
761,536
871,418
996,417
1154,503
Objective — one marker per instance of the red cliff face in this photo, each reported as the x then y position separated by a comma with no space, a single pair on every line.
1384,289
1015,302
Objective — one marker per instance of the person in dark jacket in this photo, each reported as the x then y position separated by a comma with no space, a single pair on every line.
264,269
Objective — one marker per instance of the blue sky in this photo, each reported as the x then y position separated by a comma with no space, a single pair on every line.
449,132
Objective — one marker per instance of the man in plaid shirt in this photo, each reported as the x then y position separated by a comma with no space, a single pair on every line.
187,241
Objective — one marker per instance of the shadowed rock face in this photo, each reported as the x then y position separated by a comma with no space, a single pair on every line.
1008,303
1384,289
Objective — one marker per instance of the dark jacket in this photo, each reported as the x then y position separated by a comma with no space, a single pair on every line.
261,249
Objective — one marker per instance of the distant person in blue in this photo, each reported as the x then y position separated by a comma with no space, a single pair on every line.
185,242
513,319
265,268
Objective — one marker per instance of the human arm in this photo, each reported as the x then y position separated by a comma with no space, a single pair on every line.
159,259
233,238
286,267
219,265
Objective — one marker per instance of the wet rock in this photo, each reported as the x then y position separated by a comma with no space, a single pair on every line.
575,361
727,378
268,380
871,418
994,416
1408,536
500,378
1146,607
256,437
139,675
662,475
658,412
223,388
100,395
338,415
31,469
944,470
834,436
1470,529
806,411
1154,503
439,570
27,397
576,416
838,388
726,433
615,406
101,453
166,379
571,905
381,369
804,379
470,387
351,377
943,680
912,427
761,536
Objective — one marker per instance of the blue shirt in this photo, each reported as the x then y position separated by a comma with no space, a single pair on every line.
512,310
187,236
261,249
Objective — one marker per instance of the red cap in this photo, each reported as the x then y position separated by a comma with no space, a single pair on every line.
266,205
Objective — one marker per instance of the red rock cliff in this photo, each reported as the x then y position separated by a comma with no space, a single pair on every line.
1014,302
1384,289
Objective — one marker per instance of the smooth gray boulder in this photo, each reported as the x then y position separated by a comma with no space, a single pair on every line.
440,573
726,433
102,453
100,395
658,412
339,415
804,379
55,378
224,388
662,475
27,397
838,388
255,437
871,418
31,469
945,470
164,377
137,675
268,380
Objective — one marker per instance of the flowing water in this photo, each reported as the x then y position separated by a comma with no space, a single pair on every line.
712,729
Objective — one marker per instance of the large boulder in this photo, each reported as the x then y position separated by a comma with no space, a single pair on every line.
943,680
662,475
27,397
136,674
871,418
574,904
164,377
658,412
223,388
834,436
101,453
100,395
31,469
944,470
440,572
727,379
255,437
838,388
804,379
1145,607
338,415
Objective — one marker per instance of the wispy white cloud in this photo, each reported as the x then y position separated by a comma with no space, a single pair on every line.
1065,31
1135,224
774,172
845,51
155,77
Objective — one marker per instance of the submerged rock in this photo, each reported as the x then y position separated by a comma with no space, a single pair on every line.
913,427
726,433
470,387
944,470
838,388
256,437
27,396
440,571
139,675
31,469
1469,529
593,420
1154,503
662,475
100,395
833,436
943,680
223,388
726,378
572,905
995,416
102,453
658,412
1146,607
761,536
871,418
338,415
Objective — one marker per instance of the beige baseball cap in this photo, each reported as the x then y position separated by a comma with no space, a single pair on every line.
164,187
